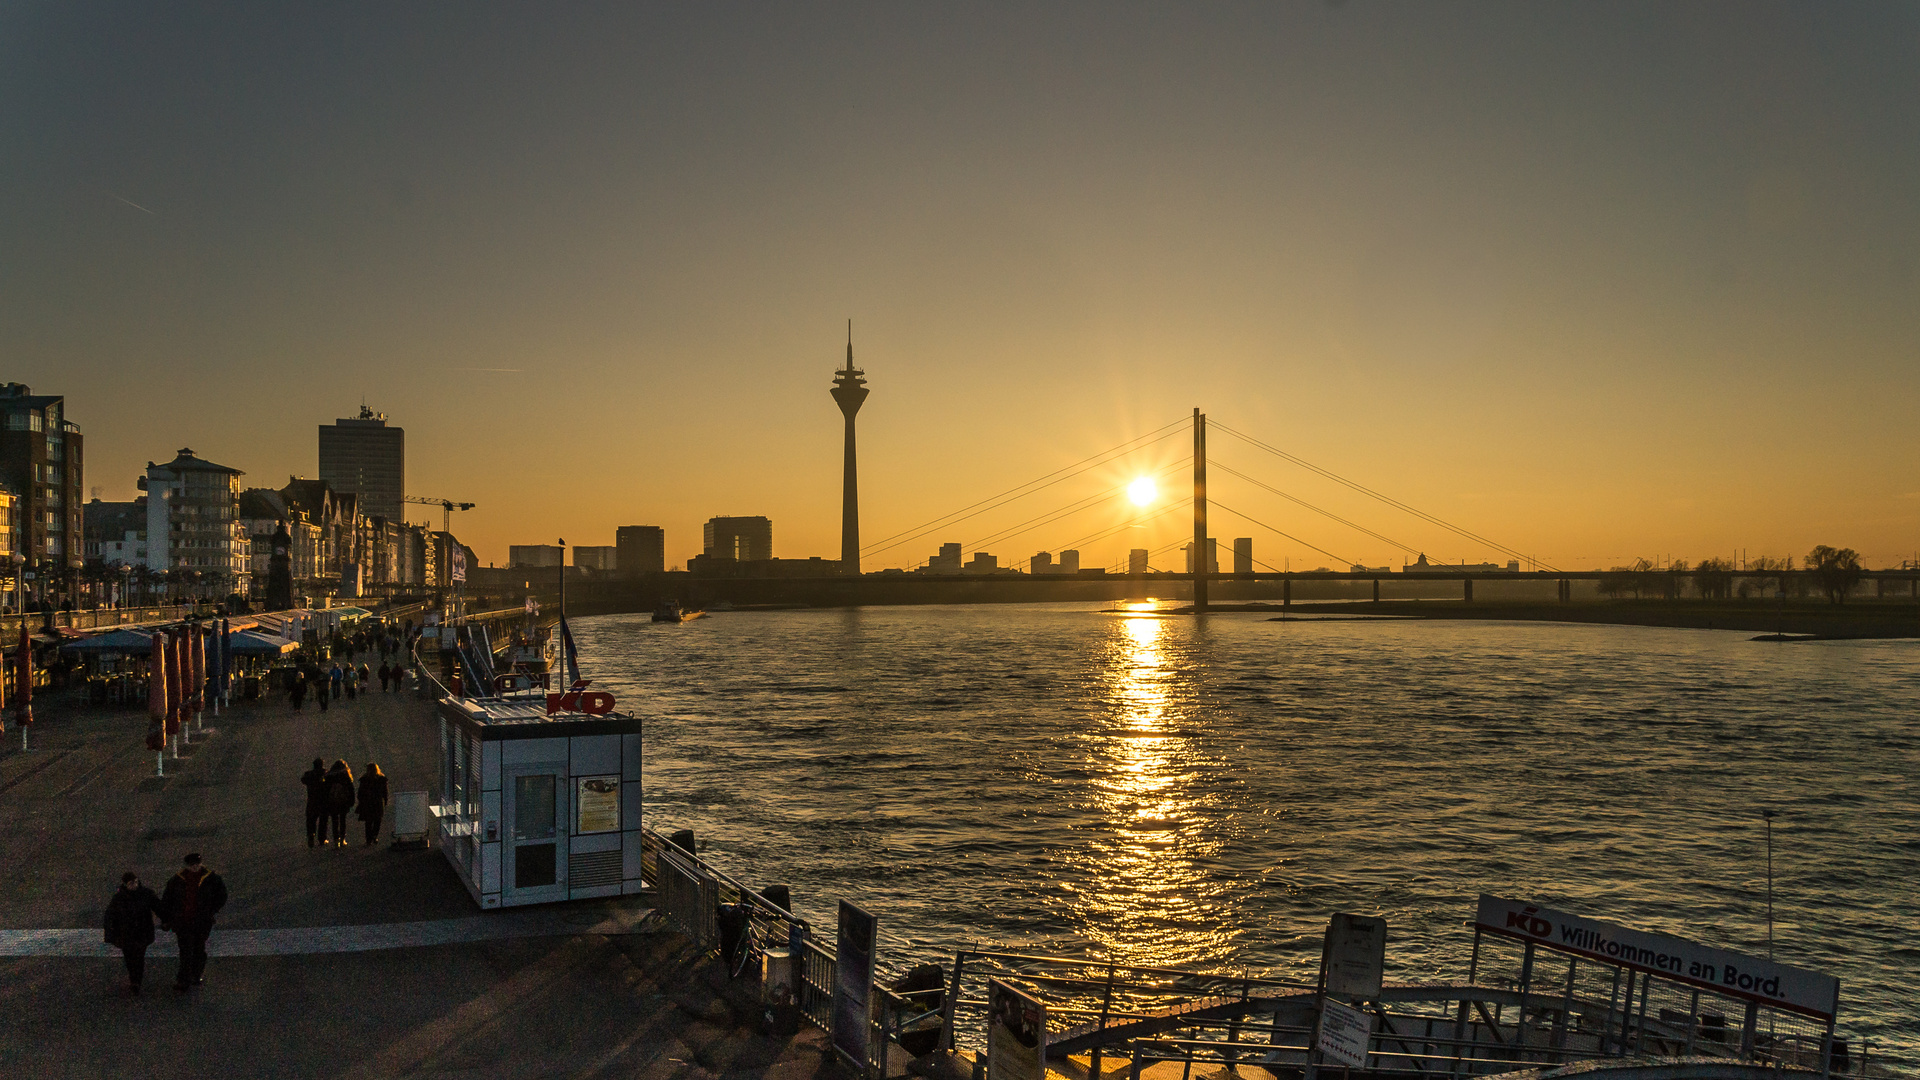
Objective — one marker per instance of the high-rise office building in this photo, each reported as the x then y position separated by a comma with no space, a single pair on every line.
1212,557
367,458
1069,561
849,390
743,539
1137,561
1243,555
535,555
947,562
40,461
642,550
601,558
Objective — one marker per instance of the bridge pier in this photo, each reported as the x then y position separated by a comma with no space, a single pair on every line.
1286,592
1468,594
1376,590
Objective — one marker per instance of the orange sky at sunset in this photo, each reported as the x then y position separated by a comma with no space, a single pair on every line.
1596,281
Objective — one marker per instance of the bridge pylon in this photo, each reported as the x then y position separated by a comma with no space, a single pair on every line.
1199,561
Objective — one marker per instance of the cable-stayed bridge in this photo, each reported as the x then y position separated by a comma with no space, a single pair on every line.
1189,484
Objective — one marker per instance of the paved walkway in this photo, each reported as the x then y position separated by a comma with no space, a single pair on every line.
345,962
311,940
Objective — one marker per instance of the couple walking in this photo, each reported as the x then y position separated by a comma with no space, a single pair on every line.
192,898
331,793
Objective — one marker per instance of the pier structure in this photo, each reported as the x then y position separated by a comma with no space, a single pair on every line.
849,392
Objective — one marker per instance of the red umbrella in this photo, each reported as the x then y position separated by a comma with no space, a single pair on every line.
157,696
176,682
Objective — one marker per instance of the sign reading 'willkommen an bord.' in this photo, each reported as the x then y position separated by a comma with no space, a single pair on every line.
1731,973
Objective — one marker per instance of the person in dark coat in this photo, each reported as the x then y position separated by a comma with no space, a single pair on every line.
130,925
373,800
315,781
340,799
386,676
193,897
296,687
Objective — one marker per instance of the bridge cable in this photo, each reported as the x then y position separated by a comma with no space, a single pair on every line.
1138,442
1214,464
1063,512
1369,492
1290,536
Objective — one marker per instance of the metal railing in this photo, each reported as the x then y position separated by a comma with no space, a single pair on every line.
102,618
691,891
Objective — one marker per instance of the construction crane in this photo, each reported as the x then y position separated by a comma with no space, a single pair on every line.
447,507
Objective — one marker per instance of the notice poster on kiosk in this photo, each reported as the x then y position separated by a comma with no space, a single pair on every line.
1016,1034
596,804
853,989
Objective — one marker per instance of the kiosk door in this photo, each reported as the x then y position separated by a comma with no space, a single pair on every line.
536,848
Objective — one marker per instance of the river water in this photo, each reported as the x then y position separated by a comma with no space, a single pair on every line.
1166,791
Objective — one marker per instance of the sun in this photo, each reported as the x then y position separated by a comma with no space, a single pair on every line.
1142,491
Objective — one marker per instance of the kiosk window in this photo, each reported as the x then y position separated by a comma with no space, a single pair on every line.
533,816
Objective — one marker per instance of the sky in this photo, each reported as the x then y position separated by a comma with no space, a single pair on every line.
1594,282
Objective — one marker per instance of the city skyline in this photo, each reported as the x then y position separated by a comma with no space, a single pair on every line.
1599,283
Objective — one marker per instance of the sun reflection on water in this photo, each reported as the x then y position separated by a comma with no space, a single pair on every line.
1145,896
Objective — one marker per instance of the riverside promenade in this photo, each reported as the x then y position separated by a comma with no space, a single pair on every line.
362,962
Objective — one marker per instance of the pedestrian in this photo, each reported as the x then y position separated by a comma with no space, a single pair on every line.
340,799
130,926
194,896
386,676
352,681
373,800
319,680
366,679
336,676
296,687
315,780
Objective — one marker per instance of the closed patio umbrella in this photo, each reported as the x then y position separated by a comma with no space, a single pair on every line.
23,697
176,683
196,642
157,704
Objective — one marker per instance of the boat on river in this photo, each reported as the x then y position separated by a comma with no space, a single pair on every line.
670,611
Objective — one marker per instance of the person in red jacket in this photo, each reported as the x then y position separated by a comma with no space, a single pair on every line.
193,897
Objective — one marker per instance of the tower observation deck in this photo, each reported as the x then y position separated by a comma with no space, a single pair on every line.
849,391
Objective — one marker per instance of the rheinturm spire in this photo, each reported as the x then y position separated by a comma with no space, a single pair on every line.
850,390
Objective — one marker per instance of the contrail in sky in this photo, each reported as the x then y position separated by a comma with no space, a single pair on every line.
486,369
133,204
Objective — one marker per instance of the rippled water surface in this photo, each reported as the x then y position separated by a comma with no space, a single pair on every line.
1052,777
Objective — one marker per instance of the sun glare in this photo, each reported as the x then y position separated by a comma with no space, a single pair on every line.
1142,491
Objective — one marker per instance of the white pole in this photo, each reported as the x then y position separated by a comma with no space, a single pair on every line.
159,763
1767,816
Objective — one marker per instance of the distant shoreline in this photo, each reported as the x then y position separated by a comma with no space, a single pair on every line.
1811,622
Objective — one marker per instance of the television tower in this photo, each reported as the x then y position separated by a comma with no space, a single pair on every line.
849,390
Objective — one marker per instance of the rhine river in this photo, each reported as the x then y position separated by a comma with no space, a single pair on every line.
1163,791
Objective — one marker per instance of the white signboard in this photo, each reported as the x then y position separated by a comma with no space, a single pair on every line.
1356,955
1344,1031
1731,973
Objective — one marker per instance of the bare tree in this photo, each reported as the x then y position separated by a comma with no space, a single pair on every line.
1713,579
1836,569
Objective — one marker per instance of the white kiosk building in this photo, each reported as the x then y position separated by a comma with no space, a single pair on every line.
537,807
